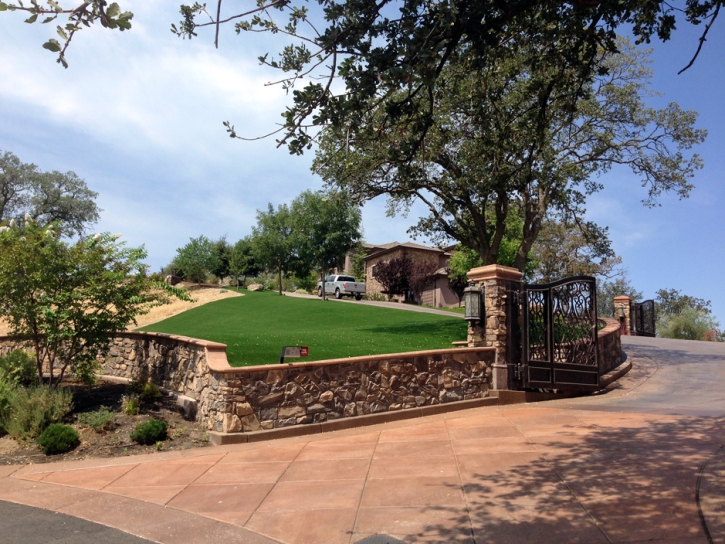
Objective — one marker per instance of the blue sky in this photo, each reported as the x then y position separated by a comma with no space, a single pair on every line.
139,116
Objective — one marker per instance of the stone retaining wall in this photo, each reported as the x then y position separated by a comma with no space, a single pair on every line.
264,397
610,346
273,396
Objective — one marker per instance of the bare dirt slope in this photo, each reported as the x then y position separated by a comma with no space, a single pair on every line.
201,295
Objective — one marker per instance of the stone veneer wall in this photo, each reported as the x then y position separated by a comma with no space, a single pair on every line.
266,397
610,346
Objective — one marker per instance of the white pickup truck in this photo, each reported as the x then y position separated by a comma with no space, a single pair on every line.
342,286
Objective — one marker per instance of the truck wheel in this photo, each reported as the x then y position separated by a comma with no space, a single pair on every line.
319,291
358,297
338,294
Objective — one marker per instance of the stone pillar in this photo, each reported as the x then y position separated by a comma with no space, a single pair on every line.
499,283
624,303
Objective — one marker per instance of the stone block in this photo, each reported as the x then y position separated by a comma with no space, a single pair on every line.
304,419
316,409
285,422
267,425
243,409
273,398
350,409
327,396
231,424
377,407
292,391
344,394
319,418
250,423
363,408
284,412
268,414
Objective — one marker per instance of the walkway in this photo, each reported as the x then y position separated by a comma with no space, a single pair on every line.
621,466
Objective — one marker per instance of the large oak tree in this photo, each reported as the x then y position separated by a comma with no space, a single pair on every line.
507,140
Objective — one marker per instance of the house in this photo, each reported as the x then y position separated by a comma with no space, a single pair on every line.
437,295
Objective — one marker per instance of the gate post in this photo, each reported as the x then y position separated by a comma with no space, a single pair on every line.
501,329
623,313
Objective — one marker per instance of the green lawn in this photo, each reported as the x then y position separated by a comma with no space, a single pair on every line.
256,326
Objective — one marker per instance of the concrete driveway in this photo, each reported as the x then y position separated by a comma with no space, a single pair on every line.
640,462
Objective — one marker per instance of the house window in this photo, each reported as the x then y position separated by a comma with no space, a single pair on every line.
375,267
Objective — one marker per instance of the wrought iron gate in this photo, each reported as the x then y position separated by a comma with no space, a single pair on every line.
644,318
559,336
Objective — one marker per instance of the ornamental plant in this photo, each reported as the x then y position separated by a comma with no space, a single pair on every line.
58,438
151,432
62,299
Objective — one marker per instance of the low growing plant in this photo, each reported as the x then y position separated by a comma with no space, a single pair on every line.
7,392
154,430
130,405
58,438
150,392
101,420
33,409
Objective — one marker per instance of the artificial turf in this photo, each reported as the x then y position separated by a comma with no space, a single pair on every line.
256,326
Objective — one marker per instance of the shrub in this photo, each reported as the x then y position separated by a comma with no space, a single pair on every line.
150,392
101,420
58,438
18,368
150,432
130,405
301,291
689,324
7,392
375,296
32,410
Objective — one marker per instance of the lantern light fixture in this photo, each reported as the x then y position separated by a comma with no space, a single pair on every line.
473,301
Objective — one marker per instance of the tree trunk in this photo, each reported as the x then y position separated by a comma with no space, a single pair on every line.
280,281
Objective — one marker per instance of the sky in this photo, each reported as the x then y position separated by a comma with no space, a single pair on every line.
138,115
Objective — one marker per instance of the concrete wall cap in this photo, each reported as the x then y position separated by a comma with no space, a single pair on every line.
348,360
622,297
611,327
494,272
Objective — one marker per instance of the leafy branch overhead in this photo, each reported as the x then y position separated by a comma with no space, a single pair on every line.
345,57
82,15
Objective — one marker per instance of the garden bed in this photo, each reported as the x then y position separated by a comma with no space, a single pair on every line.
114,442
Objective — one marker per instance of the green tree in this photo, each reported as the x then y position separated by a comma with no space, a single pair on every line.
242,261
46,197
374,51
197,259
564,249
608,289
491,152
685,317
273,244
671,302
224,253
326,226
689,324
64,299
358,262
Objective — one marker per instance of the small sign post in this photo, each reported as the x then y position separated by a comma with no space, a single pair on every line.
293,351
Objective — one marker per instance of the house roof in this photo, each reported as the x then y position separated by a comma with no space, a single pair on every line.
377,250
